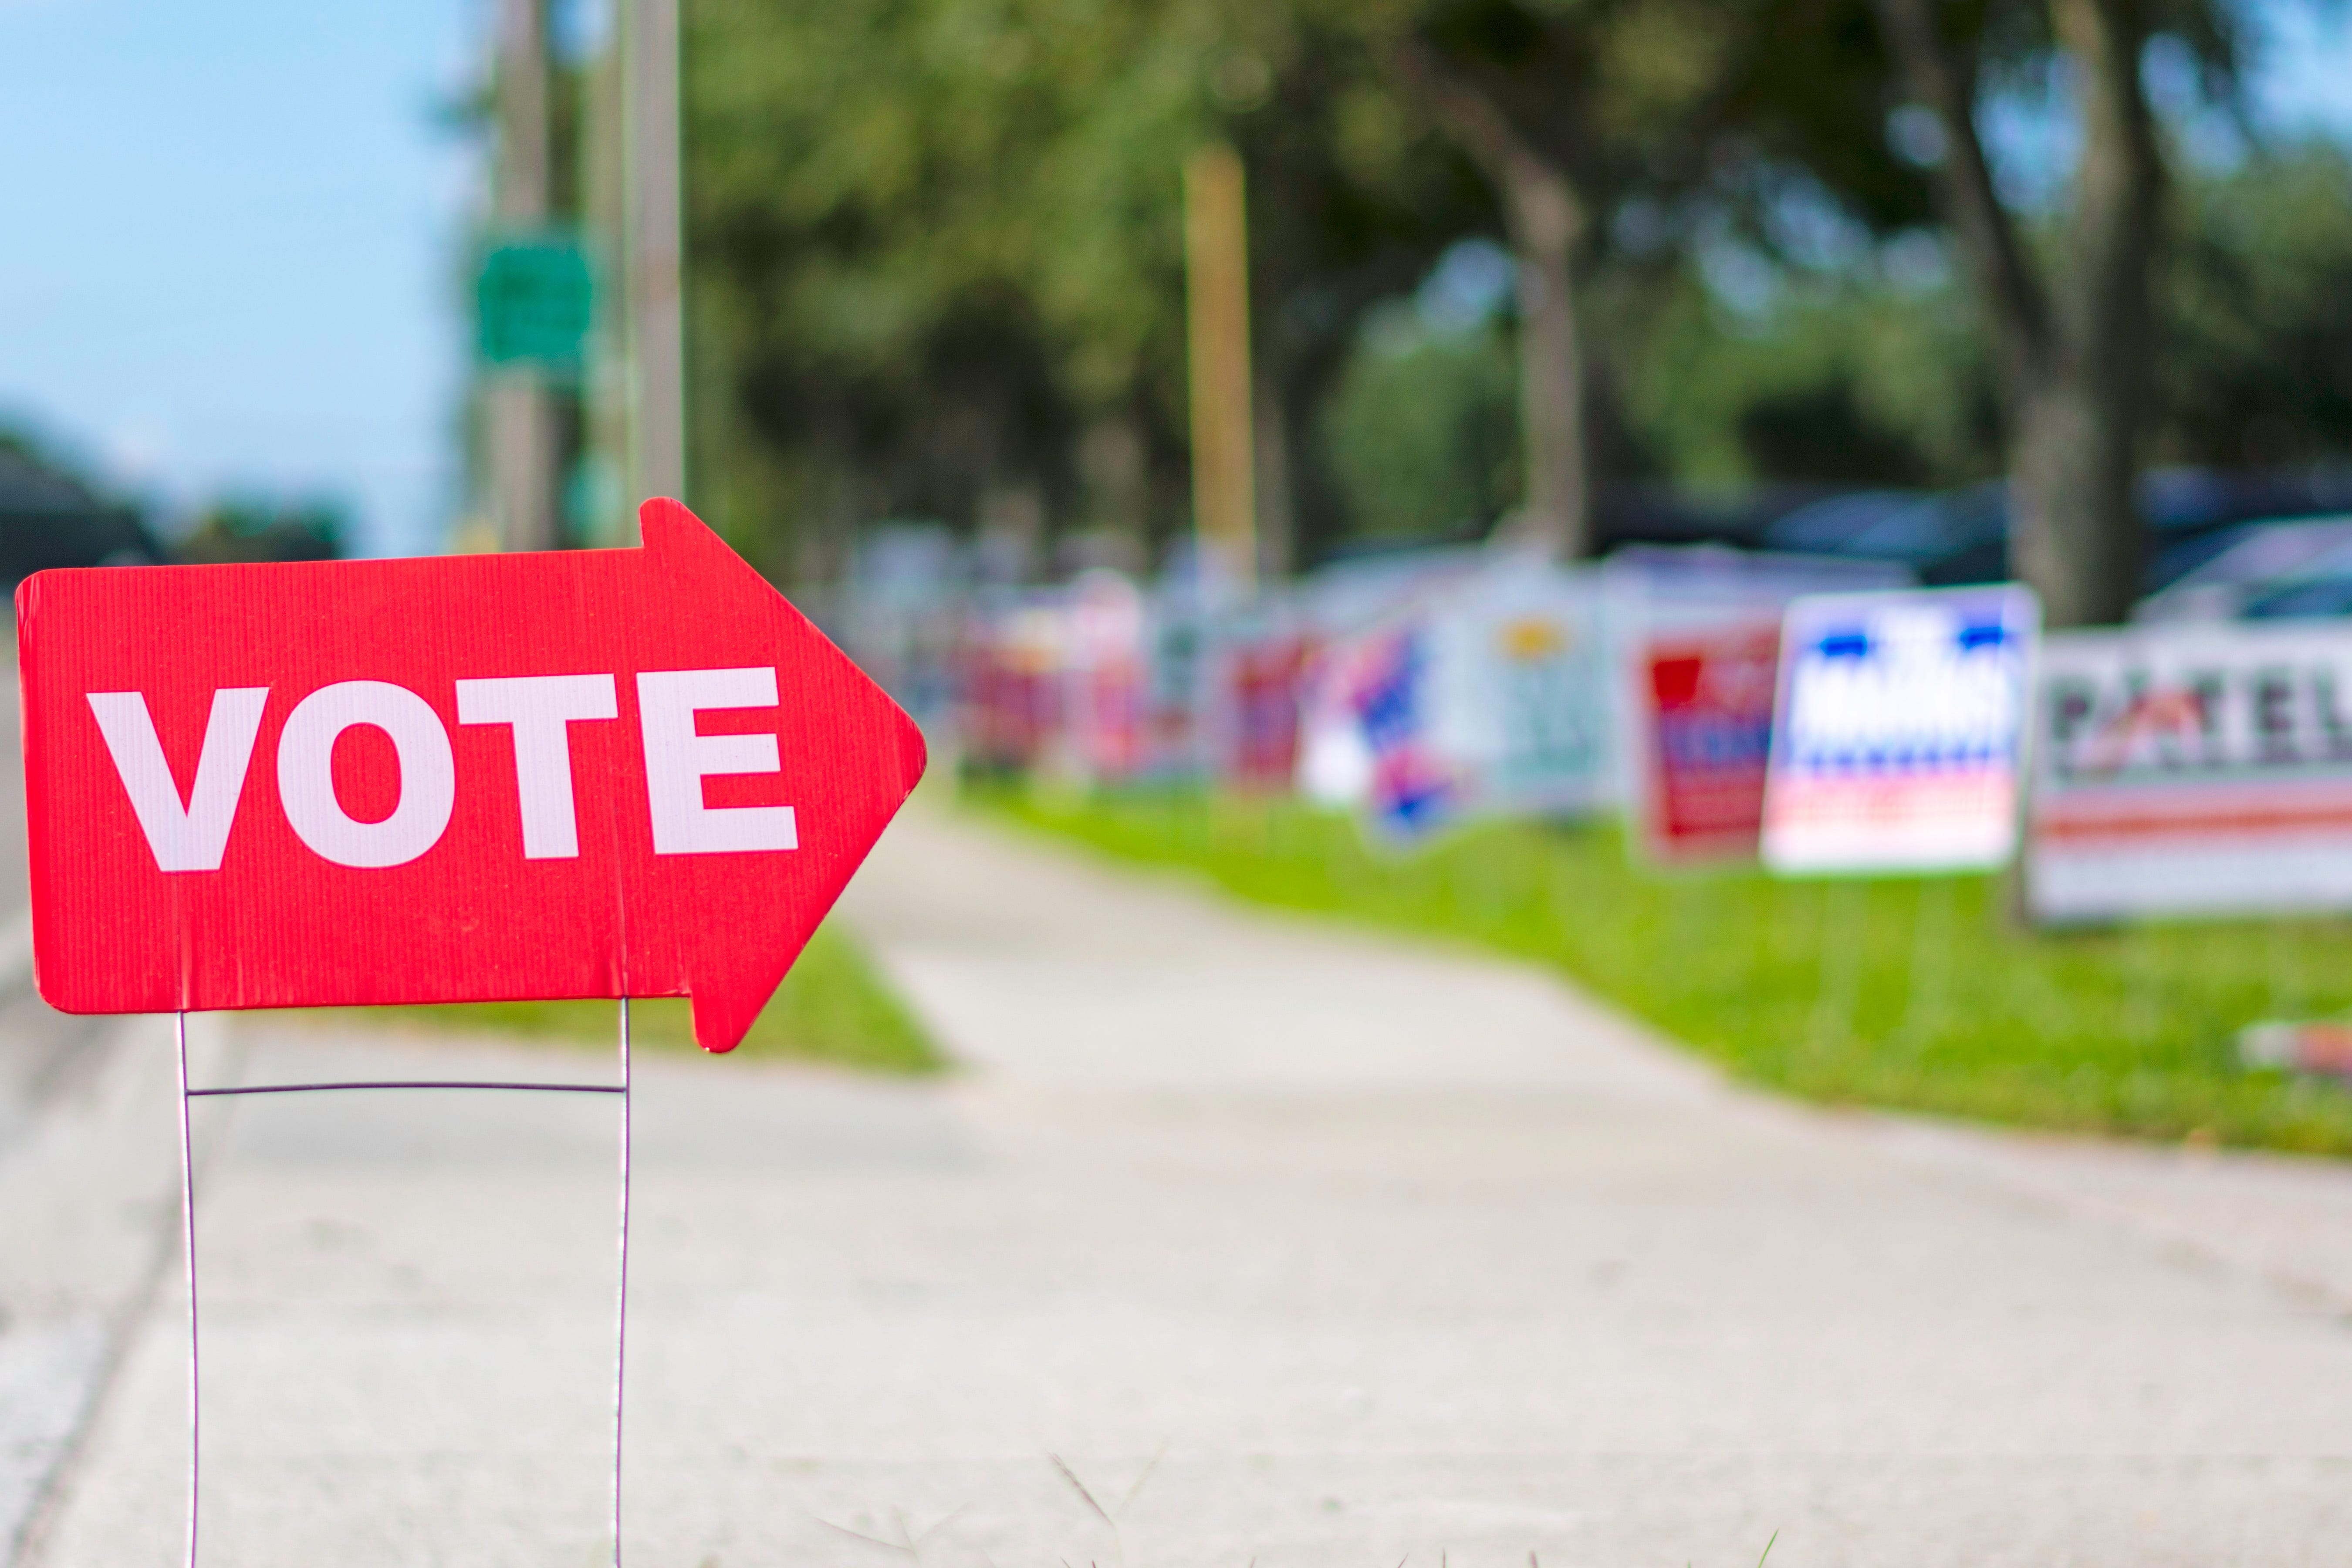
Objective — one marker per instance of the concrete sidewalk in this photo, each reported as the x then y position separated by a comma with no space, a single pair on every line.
1331,1249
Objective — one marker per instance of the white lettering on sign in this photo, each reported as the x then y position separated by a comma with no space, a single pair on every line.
306,777
677,760
540,709
1915,690
191,836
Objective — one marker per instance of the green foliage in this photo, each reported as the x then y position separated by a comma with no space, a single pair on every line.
938,257
1860,378
939,243
1910,993
262,530
1879,374
833,1007
932,235
2258,367
1423,430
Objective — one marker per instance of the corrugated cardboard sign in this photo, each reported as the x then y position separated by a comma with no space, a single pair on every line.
1106,680
1368,736
498,777
1704,735
2193,769
1253,673
1520,693
1897,731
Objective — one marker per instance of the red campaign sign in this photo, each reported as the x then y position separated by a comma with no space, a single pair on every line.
1709,702
1264,678
595,773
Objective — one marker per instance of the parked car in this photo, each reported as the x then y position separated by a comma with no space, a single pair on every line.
1962,536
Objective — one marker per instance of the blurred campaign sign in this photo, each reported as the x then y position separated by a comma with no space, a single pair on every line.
1252,673
2192,768
2320,1045
1010,698
598,773
1688,625
1175,633
1898,727
1704,736
1490,693
1368,733
1106,676
1520,689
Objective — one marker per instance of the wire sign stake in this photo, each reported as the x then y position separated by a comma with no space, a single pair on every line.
620,1292
584,773
188,1241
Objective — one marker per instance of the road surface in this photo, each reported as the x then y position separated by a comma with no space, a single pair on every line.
1326,1249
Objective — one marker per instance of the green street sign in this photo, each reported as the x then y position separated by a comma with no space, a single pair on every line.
534,300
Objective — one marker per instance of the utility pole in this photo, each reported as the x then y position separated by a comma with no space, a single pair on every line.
518,408
656,324
1216,294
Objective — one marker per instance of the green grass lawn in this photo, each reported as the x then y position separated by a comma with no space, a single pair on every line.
1917,993
832,1007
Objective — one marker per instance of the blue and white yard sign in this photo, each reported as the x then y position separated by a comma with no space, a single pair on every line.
1898,729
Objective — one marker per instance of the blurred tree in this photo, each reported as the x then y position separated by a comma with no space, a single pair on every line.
2072,336
939,243
864,257
1354,197
938,266
1588,117
1421,429
2257,347
255,530
53,515
1888,359
1865,375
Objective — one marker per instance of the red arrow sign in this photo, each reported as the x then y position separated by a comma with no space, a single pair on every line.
596,772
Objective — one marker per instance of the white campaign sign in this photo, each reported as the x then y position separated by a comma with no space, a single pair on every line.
2192,768
1521,686
1897,727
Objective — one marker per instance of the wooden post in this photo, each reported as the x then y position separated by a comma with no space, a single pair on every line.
1216,276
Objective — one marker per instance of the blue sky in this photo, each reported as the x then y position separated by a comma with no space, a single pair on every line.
231,232
229,238
2305,64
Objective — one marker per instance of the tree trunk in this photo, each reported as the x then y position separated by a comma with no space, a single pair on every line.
2086,545
1545,220
2074,527
2073,350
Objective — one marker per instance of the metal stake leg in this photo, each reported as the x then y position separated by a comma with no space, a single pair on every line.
188,1234
188,1252
621,1305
